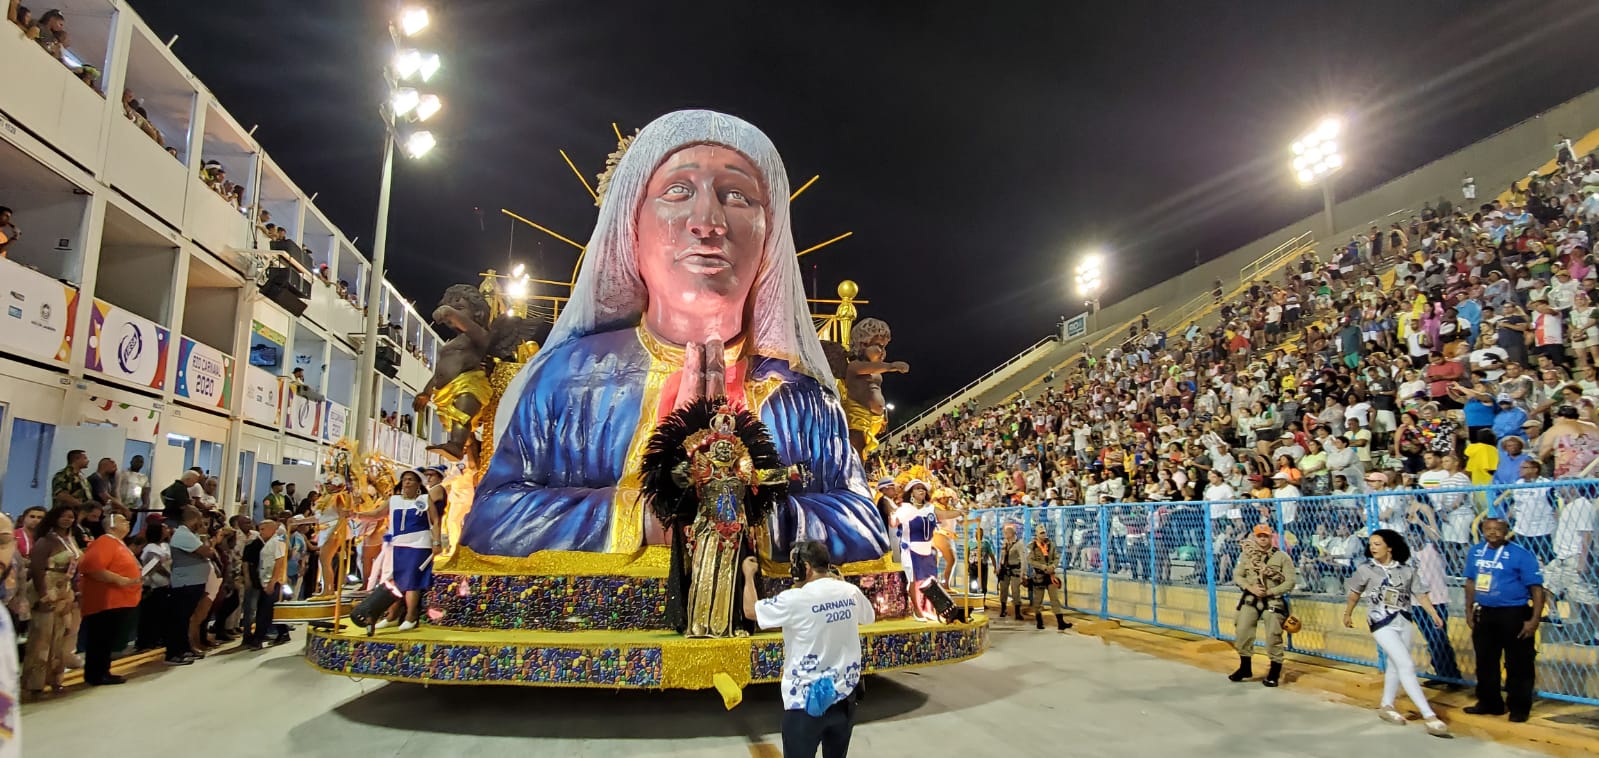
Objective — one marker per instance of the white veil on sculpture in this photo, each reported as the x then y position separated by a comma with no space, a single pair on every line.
609,293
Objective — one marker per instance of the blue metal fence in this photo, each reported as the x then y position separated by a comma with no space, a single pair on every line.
1170,564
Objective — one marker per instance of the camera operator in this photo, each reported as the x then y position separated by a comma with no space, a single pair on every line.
821,619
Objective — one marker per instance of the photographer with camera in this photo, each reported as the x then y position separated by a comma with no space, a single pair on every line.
821,617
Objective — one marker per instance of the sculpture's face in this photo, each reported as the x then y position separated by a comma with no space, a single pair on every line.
722,453
701,229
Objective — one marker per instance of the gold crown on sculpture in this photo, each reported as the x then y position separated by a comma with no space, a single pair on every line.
611,161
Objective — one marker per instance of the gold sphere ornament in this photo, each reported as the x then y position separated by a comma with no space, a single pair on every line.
848,289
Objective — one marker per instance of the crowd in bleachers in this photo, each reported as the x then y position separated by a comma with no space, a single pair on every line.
1452,350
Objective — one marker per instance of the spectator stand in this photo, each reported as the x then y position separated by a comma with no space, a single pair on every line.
1170,565
1205,304
155,170
56,103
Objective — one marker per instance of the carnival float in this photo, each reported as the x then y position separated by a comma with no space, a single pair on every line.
681,413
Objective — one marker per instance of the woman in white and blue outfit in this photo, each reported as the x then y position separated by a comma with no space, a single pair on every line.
917,519
1391,587
414,539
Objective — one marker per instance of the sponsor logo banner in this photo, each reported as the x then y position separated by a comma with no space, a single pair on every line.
205,374
40,314
261,390
302,415
127,346
1077,326
335,417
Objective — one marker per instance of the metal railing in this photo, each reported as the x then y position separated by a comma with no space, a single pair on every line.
1172,564
1270,261
937,407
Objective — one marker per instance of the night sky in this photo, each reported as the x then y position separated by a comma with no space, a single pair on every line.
974,149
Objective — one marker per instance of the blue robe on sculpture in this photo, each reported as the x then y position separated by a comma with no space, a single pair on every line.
552,483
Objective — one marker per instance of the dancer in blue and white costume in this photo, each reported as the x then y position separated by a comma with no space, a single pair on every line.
916,521
414,539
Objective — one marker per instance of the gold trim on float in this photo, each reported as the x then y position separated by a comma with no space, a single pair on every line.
612,685
685,663
652,561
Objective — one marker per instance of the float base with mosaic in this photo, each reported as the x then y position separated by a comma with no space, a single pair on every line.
557,570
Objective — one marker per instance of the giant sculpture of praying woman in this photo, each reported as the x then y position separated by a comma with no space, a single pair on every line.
689,289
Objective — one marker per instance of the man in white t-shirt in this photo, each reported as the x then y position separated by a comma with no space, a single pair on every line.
1217,493
133,486
270,569
1359,437
1571,575
196,491
1532,512
821,619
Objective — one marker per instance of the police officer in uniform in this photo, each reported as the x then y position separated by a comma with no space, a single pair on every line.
1266,575
1502,578
1012,557
1043,558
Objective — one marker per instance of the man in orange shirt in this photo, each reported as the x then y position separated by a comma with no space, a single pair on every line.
110,585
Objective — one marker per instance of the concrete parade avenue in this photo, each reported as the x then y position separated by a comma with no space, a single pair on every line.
1033,694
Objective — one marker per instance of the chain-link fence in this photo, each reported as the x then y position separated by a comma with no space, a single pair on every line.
1177,565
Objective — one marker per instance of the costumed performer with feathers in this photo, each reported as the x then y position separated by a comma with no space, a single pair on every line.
710,472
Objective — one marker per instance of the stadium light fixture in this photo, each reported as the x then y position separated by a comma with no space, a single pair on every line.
413,20
419,143
405,104
516,288
1316,157
426,106
404,100
1091,276
415,63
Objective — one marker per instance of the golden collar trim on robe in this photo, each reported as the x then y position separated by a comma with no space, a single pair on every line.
670,354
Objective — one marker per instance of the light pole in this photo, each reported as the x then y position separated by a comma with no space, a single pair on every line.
1316,158
1090,280
404,108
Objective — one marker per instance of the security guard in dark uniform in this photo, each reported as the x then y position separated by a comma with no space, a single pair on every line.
1502,578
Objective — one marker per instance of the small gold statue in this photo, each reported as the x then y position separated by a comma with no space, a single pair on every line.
711,475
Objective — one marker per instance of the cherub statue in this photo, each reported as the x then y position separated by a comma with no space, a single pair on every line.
459,389
864,406
711,475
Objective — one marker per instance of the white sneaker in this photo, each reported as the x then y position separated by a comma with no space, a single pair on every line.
1391,715
383,624
1437,728
409,625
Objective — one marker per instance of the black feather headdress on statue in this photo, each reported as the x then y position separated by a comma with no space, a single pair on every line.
692,426
669,493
